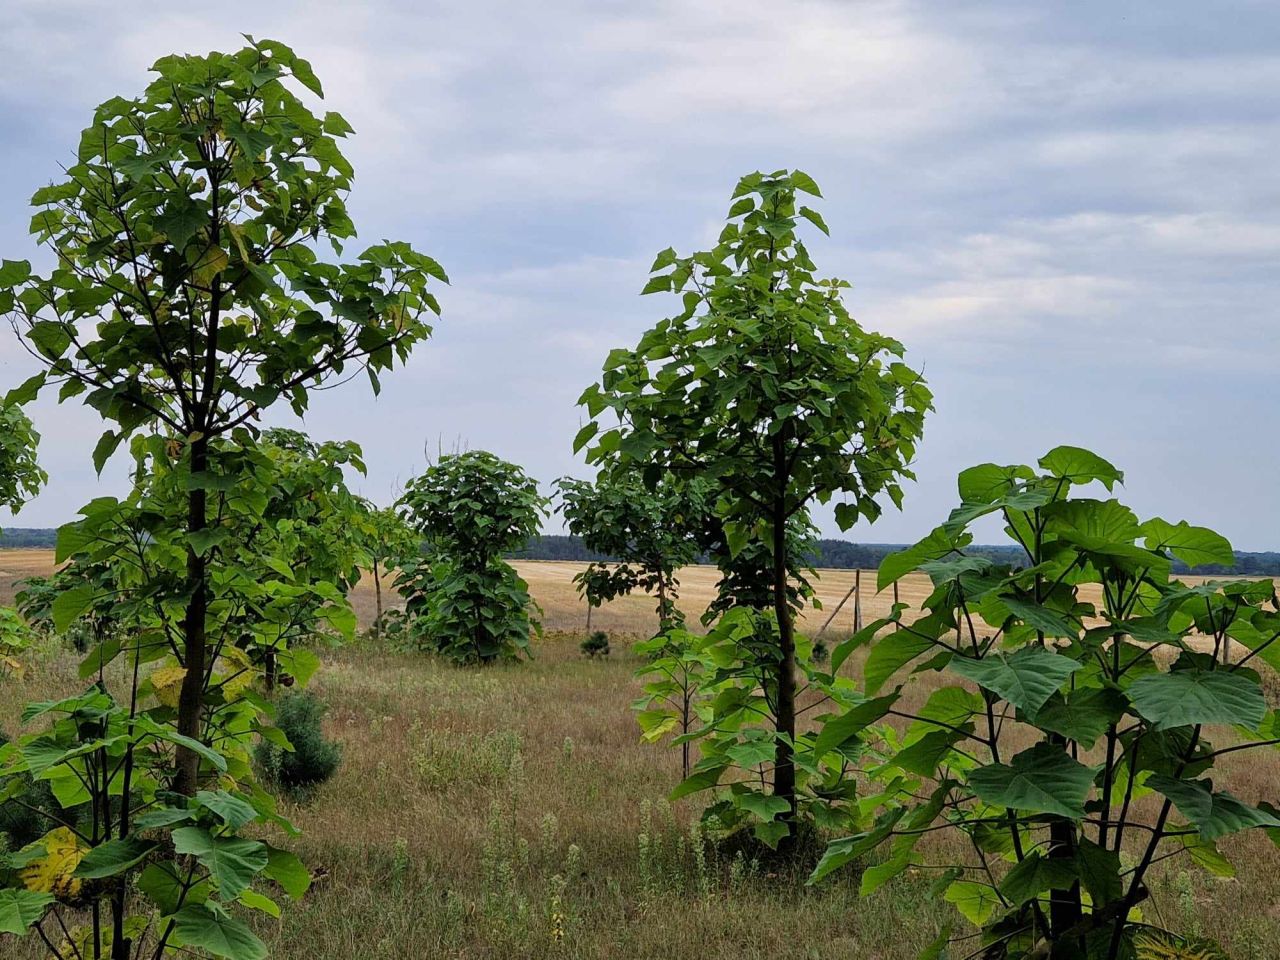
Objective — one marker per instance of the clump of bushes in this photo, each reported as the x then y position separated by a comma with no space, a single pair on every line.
596,645
314,759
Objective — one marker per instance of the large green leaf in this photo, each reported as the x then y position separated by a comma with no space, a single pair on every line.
233,862
1197,696
199,925
69,604
1026,678
113,857
1194,546
1082,715
889,654
1034,875
975,901
938,544
233,810
988,481
924,756
839,730
19,909
1050,622
1043,779
1099,871
1213,814
1080,466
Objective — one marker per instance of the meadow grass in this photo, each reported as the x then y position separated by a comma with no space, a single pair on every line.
513,812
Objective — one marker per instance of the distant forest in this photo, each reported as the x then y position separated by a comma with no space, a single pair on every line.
11,537
843,555
831,554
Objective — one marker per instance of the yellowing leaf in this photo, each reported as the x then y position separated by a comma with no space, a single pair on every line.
167,683
211,263
54,872
240,673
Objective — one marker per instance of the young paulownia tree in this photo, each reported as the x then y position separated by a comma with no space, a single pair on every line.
387,542
1093,697
188,296
766,388
650,532
467,602
20,475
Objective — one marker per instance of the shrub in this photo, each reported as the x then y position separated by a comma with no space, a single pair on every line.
25,822
314,758
596,645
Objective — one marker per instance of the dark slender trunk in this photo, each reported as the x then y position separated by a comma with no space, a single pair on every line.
191,697
377,601
1065,910
784,770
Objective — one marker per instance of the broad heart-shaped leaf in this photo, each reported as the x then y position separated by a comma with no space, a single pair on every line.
1034,875
288,871
1043,779
1213,814
1099,871
975,901
1026,678
69,604
232,810
198,925
891,652
988,481
113,857
1185,697
19,909
1194,546
1082,715
938,544
763,805
1052,623
838,730
1080,466
924,755
233,862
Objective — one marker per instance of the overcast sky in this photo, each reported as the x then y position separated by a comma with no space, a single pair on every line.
1069,212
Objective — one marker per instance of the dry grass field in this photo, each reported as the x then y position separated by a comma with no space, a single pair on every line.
474,806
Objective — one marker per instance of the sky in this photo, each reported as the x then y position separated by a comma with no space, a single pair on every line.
1068,212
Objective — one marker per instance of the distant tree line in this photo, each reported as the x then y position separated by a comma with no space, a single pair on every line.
835,554
12,537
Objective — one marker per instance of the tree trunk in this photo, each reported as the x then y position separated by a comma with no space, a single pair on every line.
191,697
1065,907
784,770
377,601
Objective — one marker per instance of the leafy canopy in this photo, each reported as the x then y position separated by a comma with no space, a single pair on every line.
1116,674
467,602
189,292
20,475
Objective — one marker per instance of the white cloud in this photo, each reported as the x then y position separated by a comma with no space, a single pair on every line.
1028,197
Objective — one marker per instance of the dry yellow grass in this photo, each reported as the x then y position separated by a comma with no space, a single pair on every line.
453,821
